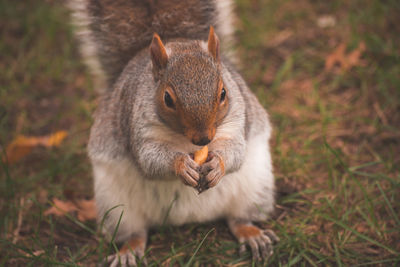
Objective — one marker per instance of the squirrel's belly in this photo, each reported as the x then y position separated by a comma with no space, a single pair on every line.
247,193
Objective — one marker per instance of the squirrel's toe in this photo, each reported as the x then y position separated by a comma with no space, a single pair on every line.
126,256
125,260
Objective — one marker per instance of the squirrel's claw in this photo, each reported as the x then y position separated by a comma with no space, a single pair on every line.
187,169
128,253
261,245
271,234
125,259
264,247
214,168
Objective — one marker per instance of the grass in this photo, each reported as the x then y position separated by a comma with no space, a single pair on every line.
335,144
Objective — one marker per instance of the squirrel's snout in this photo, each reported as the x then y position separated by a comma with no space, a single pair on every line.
201,137
201,141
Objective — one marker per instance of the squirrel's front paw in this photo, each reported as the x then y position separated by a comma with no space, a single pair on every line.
187,169
214,169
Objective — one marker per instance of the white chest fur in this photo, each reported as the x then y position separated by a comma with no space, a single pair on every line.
146,203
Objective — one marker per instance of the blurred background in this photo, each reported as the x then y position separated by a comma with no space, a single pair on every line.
328,72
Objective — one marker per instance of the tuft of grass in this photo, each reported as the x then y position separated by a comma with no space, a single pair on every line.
335,144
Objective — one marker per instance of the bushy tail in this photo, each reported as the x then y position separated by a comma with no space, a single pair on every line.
111,32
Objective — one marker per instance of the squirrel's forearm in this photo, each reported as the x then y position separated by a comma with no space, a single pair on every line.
232,152
156,159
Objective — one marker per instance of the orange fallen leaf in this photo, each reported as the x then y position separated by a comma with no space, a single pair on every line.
60,207
23,145
353,58
345,61
335,57
54,139
85,209
37,252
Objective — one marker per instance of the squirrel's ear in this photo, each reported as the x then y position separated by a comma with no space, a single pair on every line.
159,55
213,44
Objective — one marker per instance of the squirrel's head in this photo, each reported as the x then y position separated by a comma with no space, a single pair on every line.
191,97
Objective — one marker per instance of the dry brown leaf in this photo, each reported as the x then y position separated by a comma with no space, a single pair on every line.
279,38
335,57
85,209
22,145
54,139
345,61
35,253
353,58
60,207
362,228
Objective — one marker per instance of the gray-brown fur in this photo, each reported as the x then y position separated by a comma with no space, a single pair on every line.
192,72
128,111
121,28
140,147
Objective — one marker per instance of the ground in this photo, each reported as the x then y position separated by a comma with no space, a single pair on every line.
328,72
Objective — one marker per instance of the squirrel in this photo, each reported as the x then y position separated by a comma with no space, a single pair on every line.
167,90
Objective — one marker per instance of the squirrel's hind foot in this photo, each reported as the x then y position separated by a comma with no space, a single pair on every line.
127,255
125,260
260,241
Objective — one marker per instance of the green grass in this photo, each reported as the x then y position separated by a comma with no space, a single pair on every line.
335,146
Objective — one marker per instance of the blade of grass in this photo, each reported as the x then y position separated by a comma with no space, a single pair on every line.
169,210
198,247
377,177
175,251
310,261
370,205
396,218
368,164
101,242
369,222
394,260
296,259
337,256
283,71
366,238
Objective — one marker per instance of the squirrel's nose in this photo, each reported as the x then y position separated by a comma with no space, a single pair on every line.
201,142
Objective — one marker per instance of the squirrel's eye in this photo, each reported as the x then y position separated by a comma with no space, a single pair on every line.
168,100
223,93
